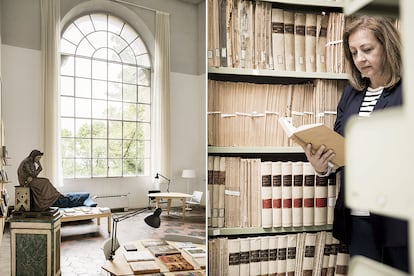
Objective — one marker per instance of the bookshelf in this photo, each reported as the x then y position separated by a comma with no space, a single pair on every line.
223,78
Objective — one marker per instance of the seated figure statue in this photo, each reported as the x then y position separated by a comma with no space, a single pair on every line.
44,194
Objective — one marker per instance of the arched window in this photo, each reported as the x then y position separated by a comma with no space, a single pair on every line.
105,99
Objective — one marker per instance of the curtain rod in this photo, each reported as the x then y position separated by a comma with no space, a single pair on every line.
136,5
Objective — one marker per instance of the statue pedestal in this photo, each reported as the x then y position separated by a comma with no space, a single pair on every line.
35,243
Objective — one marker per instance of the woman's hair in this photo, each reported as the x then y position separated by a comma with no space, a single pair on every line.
35,153
388,36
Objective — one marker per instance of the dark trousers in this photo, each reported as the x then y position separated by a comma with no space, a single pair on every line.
363,243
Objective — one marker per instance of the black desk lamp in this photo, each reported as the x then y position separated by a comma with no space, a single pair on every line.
152,220
157,176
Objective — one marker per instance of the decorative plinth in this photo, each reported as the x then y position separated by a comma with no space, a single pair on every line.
35,244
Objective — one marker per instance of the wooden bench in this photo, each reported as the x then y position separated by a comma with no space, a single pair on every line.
85,213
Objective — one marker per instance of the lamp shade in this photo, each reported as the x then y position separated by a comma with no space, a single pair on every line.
188,173
154,219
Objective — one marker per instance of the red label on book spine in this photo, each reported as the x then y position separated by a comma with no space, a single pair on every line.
321,202
277,203
308,202
267,203
287,203
297,202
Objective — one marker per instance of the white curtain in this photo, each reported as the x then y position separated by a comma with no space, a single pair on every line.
161,103
50,38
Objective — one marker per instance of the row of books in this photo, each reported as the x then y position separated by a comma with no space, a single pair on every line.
269,194
246,114
307,253
4,202
259,35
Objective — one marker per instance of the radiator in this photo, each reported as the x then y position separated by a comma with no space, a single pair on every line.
114,202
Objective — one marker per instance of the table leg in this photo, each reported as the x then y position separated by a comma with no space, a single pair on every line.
183,203
109,224
157,202
169,206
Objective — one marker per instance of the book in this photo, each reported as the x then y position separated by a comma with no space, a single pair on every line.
136,256
287,194
297,194
130,247
144,267
148,243
299,38
278,40
317,135
195,252
266,170
160,250
308,194
277,194
321,199
175,262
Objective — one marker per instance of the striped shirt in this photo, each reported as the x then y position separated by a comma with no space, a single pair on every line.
370,100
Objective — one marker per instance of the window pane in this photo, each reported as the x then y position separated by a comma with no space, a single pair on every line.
139,47
83,108
115,129
84,24
67,84
83,67
144,112
101,54
144,60
100,21
115,24
144,76
130,149
115,149
67,127
83,148
130,93
113,56
128,56
115,110
68,147
99,129
83,128
99,70
130,130
72,34
83,87
114,91
144,131
115,42
99,168
83,168
67,66
114,167
130,167
99,149
128,34
67,47
85,48
67,106
130,74
130,112
99,109
99,89
144,94
115,72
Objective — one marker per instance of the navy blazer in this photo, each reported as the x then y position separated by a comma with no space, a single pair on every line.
391,231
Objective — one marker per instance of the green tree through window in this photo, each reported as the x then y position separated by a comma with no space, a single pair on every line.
105,99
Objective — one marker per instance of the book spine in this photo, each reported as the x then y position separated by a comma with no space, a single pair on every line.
297,194
291,255
278,43
266,171
321,199
272,255
342,260
289,38
281,255
234,256
308,194
221,187
277,194
300,60
264,255
244,256
331,198
287,194
310,42
309,254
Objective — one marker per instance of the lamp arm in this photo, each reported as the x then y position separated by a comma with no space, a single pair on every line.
166,178
115,221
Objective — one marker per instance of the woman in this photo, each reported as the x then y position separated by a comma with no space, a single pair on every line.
43,193
373,60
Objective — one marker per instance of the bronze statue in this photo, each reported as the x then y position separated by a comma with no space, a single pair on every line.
43,193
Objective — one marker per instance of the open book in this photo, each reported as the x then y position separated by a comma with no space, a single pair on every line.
317,135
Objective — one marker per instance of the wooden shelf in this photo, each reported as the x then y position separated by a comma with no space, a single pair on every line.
212,149
319,3
372,7
261,230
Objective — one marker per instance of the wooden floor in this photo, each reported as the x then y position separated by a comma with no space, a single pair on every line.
81,253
